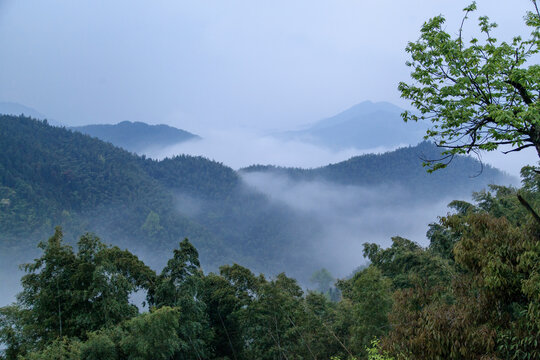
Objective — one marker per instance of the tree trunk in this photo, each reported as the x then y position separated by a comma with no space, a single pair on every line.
535,138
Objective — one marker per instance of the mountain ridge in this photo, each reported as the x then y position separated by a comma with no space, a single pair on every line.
55,176
363,126
401,165
137,136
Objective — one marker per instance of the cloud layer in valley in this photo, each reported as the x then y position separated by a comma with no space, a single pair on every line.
241,148
350,216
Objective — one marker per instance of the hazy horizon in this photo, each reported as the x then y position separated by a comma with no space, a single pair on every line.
234,68
235,179
196,65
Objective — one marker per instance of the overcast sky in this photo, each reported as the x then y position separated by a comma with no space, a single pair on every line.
214,63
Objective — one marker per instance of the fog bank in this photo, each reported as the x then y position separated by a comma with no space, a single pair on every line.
241,147
351,216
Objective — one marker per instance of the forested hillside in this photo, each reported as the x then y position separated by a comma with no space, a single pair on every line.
402,167
472,293
419,253
52,176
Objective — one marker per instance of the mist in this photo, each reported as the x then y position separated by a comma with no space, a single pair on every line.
238,148
513,162
327,223
11,272
10,280
350,216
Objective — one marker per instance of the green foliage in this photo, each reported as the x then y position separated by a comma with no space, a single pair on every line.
490,308
179,285
148,336
154,336
408,264
442,241
478,94
374,352
473,293
370,296
13,335
151,225
60,349
99,346
68,294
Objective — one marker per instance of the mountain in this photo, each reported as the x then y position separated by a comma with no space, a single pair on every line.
363,126
52,175
11,108
403,168
56,176
137,136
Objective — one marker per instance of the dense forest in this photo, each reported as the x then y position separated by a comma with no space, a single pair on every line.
471,294
401,167
53,176
235,251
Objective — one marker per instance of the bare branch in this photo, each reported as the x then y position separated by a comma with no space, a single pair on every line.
536,7
518,149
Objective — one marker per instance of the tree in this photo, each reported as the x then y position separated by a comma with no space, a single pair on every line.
222,307
68,294
60,349
46,291
271,321
180,285
370,295
407,264
478,94
489,305
153,336
12,332
151,225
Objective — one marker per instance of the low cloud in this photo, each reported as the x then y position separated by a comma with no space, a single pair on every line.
345,217
350,216
10,280
240,148
511,162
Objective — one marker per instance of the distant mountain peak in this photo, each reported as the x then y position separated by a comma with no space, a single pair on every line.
365,125
370,106
137,136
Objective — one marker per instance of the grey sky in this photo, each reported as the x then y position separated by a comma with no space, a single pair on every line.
214,63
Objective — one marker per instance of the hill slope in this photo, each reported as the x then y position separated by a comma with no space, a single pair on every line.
53,176
401,167
137,136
